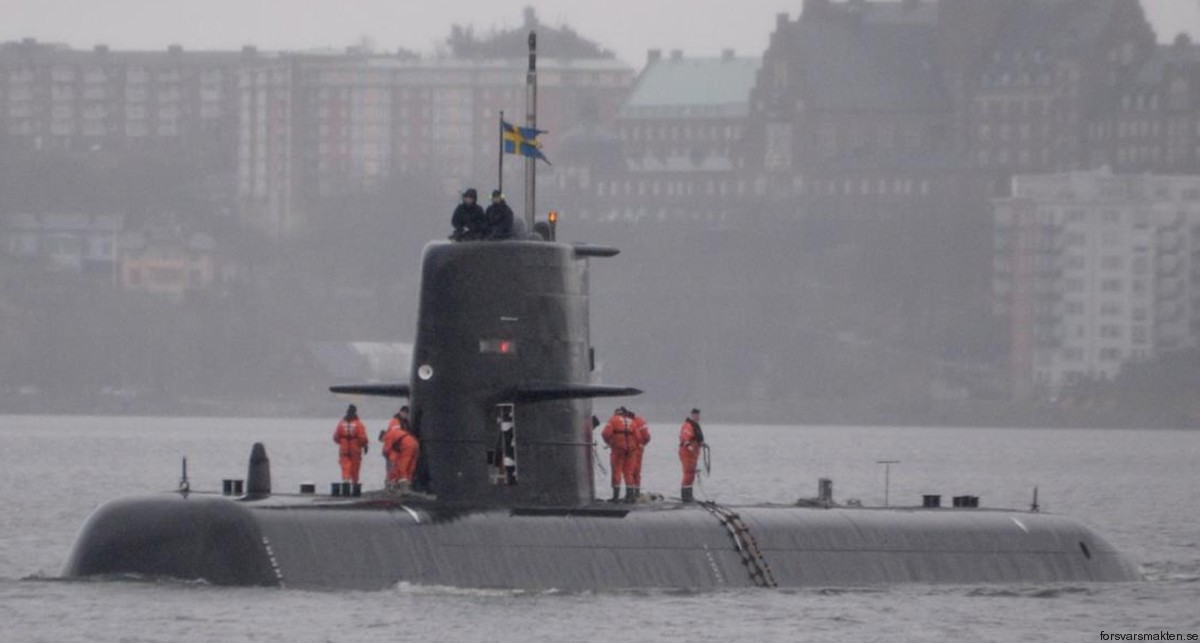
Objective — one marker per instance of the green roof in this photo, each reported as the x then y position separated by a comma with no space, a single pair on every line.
693,87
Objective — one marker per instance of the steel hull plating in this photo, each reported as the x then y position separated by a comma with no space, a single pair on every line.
374,544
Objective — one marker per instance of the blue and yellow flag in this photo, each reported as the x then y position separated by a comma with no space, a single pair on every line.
521,140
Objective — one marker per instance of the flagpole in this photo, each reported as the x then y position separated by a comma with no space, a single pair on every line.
531,122
500,155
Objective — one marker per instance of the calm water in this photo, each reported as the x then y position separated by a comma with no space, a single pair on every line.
1141,490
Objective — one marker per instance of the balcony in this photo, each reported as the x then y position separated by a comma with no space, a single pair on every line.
1169,266
1169,313
1170,288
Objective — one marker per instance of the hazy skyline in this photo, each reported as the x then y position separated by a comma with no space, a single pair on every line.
627,27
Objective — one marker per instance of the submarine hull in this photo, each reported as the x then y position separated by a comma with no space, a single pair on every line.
375,544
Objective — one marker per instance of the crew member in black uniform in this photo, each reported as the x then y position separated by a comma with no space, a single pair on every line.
469,220
499,218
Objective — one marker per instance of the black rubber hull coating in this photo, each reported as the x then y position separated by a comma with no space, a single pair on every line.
375,544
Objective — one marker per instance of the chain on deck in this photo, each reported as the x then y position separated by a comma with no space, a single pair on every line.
745,544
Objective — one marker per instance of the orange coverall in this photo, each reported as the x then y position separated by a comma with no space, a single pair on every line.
642,433
402,449
389,437
689,452
620,437
351,438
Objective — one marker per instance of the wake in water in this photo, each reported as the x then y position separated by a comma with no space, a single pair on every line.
141,579
1171,571
412,589
1031,592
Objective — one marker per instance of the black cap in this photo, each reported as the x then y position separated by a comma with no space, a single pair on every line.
470,193
496,193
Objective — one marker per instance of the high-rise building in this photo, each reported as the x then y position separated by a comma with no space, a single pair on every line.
56,98
672,151
1050,73
1153,124
267,149
315,126
281,131
849,116
1094,270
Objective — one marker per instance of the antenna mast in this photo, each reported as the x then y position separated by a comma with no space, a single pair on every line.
531,122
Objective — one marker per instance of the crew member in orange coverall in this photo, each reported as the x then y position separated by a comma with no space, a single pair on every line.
387,438
402,449
691,441
383,451
620,437
351,438
642,432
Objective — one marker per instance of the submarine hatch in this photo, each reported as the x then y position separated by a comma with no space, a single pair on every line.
502,460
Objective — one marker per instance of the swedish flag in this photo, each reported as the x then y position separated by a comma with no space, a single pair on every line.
521,140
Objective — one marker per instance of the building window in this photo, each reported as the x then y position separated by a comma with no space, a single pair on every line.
827,140
779,146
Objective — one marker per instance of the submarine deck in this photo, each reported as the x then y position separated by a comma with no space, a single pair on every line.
376,542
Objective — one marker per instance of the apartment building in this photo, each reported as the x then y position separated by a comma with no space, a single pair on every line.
1093,270
56,98
672,150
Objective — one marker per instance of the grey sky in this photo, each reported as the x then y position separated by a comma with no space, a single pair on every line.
628,27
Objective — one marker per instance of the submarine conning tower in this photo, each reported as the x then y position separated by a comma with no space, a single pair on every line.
501,375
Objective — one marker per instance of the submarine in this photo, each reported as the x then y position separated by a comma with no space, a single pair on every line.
501,391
